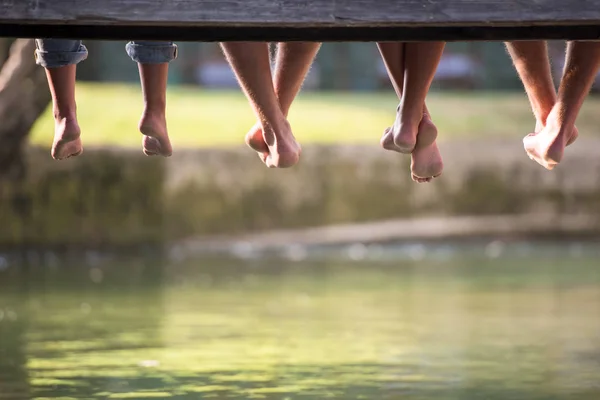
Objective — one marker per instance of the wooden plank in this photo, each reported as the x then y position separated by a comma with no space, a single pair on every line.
301,12
311,19
470,12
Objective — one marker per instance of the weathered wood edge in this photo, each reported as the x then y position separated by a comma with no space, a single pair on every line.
314,20
300,13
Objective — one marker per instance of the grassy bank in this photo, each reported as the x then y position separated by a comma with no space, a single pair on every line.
197,118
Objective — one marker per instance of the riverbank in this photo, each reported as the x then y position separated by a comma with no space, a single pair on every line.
115,197
504,227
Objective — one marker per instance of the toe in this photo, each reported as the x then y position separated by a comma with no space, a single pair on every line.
151,146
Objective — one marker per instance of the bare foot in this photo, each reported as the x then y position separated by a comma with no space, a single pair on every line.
254,139
277,149
546,147
574,134
156,138
67,141
401,137
426,161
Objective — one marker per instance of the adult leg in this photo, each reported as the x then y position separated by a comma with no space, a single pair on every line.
292,64
60,57
532,63
533,66
153,60
250,62
581,66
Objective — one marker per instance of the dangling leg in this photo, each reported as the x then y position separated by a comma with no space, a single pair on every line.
421,63
60,58
153,60
426,159
532,63
250,62
291,67
153,124
582,63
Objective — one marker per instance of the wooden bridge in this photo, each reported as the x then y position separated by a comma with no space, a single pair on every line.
312,20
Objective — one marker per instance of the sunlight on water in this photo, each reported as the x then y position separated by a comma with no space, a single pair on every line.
465,327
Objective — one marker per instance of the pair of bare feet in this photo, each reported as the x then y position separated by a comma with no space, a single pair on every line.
271,94
153,124
555,113
418,140
276,146
411,68
546,145
67,136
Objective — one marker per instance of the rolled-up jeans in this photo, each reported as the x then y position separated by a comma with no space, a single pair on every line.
54,53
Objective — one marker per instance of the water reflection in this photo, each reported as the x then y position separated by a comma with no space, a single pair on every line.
468,326
14,380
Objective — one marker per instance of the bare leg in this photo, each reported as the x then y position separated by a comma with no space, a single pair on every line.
153,124
533,66
420,140
250,62
393,55
420,63
582,63
292,64
67,142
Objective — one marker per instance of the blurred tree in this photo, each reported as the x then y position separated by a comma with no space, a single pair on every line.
24,96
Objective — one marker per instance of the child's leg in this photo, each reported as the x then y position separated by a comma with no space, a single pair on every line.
60,58
426,158
292,64
250,62
582,63
153,123
153,62
532,63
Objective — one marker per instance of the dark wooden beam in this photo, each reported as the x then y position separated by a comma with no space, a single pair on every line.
280,34
319,20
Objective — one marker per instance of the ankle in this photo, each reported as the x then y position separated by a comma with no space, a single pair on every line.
155,106
61,115
409,125
541,113
275,126
559,119
153,112
410,118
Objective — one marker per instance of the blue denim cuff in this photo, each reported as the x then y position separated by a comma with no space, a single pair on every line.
152,52
56,59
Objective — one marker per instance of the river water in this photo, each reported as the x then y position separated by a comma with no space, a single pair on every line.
474,321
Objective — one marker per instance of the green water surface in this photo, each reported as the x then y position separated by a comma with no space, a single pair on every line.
461,327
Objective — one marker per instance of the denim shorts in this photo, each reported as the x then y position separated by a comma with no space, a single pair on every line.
54,53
